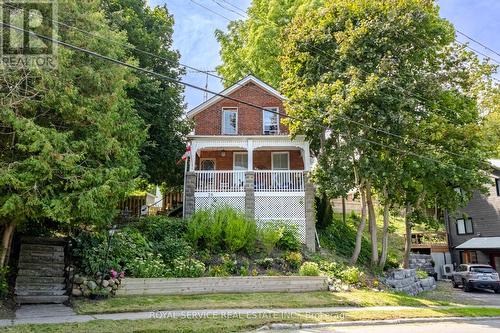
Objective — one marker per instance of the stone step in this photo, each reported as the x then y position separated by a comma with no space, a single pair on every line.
39,280
41,266
41,254
48,272
41,299
40,286
41,260
42,248
34,292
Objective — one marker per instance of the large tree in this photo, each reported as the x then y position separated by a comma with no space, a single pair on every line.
159,103
69,136
397,98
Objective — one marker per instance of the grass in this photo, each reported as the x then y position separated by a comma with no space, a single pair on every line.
238,323
359,298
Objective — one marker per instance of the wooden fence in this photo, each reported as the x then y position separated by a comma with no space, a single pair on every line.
209,285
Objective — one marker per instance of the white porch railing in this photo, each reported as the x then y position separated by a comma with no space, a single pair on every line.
279,181
265,181
220,181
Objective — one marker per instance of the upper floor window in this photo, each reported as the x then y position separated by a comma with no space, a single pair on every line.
497,184
229,121
464,226
270,121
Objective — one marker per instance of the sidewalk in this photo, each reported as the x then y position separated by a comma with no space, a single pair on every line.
58,313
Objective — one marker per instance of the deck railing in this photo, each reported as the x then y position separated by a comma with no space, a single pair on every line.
265,181
426,239
220,181
279,181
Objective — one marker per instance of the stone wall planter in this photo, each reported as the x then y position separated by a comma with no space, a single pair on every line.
208,285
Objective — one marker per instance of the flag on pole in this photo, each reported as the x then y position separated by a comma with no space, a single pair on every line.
186,155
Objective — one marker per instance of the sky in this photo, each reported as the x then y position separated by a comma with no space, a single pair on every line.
195,26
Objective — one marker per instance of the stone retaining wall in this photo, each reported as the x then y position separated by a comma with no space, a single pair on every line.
422,261
405,280
208,285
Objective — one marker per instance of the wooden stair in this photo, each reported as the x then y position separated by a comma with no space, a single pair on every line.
40,277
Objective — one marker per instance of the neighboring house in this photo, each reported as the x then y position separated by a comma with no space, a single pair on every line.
243,157
474,231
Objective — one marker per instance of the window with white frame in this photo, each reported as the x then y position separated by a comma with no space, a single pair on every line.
240,161
464,226
270,121
280,161
229,121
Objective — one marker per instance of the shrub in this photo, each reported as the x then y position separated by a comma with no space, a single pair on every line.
294,259
265,262
218,271
289,240
229,264
166,236
270,234
352,275
239,232
421,274
332,269
309,269
187,268
152,266
204,229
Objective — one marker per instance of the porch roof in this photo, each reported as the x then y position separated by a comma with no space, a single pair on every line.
199,142
478,243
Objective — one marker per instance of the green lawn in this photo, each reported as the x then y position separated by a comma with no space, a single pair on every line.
243,323
361,298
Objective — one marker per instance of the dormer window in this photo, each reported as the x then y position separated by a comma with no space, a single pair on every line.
229,120
270,121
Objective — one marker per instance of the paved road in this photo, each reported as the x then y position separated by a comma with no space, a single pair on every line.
483,326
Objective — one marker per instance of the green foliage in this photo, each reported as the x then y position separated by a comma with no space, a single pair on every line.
352,275
294,259
289,240
70,135
166,236
187,268
161,104
218,271
222,228
265,263
421,274
309,269
152,266
270,234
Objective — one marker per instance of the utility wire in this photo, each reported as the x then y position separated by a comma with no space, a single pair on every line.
477,42
211,10
229,9
170,79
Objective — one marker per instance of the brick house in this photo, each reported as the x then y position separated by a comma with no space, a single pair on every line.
243,157
474,231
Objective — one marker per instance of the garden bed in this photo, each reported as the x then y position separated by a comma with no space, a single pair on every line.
234,284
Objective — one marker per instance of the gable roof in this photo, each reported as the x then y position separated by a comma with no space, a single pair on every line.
233,88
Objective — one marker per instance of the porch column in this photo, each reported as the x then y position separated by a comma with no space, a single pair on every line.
192,157
249,194
307,156
250,155
310,214
189,200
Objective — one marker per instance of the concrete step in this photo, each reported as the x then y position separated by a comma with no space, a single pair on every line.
42,248
45,272
34,292
41,299
39,280
40,286
41,266
42,255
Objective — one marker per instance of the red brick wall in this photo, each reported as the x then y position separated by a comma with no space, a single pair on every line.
209,121
261,159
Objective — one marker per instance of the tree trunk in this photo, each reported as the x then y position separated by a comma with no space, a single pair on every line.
373,225
343,210
385,237
324,211
8,233
361,228
408,211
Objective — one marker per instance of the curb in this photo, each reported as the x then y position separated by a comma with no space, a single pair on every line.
373,322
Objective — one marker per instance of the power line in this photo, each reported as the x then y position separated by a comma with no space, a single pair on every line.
211,10
477,42
226,8
234,6
170,79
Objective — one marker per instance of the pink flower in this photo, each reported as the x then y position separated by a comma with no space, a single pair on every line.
122,275
114,274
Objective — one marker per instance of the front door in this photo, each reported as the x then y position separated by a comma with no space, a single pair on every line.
240,163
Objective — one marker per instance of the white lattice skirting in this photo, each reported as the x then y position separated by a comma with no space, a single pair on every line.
210,200
288,208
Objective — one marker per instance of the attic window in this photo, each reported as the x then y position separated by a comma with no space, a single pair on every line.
270,121
229,121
